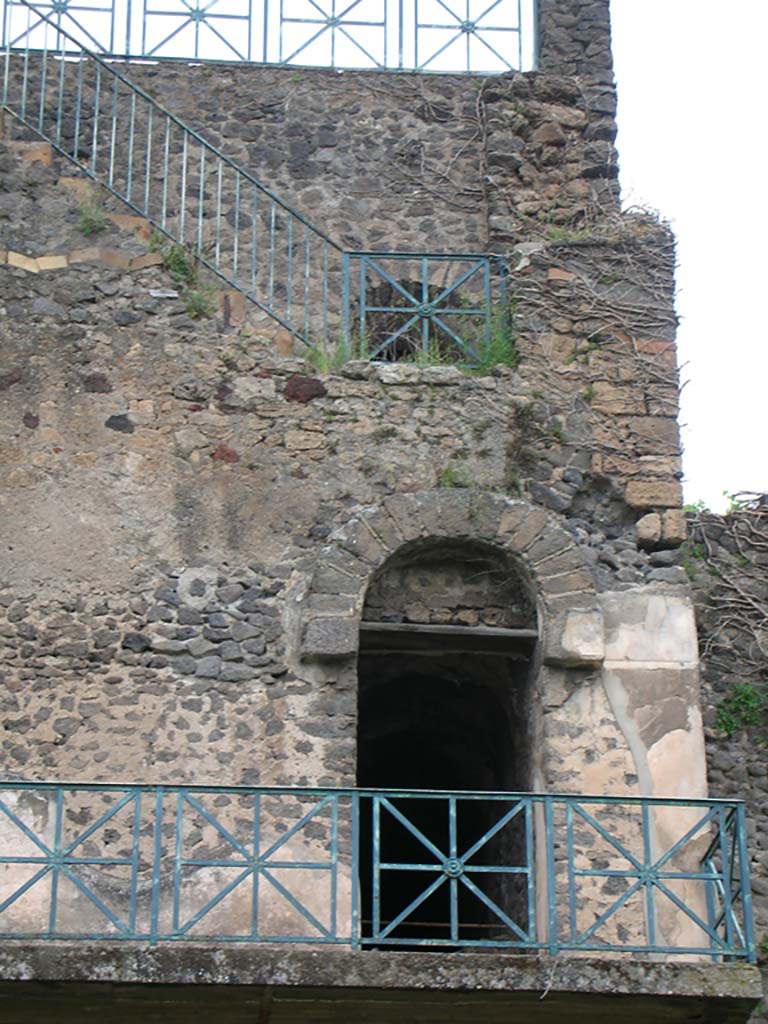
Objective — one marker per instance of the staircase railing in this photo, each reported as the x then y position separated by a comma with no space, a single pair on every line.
375,305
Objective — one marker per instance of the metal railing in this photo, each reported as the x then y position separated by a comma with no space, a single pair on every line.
374,868
469,36
233,224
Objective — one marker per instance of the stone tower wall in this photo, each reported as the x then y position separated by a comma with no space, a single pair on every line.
194,512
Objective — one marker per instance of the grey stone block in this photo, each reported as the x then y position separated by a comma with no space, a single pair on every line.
330,638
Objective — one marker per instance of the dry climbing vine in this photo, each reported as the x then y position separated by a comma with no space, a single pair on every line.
727,557
615,304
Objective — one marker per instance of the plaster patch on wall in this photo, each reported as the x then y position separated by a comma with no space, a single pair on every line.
642,627
619,701
652,684
651,681
196,586
586,751
676,762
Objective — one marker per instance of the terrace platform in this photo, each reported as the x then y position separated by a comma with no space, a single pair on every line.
62,982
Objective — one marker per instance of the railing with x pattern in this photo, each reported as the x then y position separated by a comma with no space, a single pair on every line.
374,868
470,36
387,306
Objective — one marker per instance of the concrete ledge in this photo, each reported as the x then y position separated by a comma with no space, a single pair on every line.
59,981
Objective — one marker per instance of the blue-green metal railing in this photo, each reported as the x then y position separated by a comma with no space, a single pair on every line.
237,227
374,868
464,36
415,305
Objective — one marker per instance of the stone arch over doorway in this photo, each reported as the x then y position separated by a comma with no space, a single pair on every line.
568,613
478,717
612,683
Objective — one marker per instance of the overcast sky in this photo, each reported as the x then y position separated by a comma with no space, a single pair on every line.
693,145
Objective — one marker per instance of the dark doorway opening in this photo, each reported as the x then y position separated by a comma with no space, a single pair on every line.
445,707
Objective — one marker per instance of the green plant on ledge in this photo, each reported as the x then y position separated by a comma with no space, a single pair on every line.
501,350
323,360
558,233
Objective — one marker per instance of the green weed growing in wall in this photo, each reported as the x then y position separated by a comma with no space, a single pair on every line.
742,709
199,298
200,301
92,219
453,476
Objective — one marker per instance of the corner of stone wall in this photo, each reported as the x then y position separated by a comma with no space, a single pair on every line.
575,39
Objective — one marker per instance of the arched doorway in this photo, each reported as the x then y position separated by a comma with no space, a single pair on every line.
444,704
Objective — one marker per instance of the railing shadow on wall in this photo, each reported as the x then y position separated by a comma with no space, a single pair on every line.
375,868
457,36
452,307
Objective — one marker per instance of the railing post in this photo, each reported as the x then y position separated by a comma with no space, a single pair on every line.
362,298
128,15
375,840
551,895
355,871
58,824
399,32
156,859
648,885
135,858
345,310
746,891
535,31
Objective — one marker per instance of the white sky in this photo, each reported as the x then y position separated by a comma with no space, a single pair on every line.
693,144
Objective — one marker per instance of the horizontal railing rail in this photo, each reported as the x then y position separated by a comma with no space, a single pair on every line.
206,208
459,36
374,868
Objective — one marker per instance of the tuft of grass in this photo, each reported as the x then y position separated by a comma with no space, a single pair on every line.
323,361
179,265
563,234
513,484
501,350
183,268
200,301
92,219
453,476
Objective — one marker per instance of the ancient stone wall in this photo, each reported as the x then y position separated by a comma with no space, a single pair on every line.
409,162
170,480
575,39
727,558
195,512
